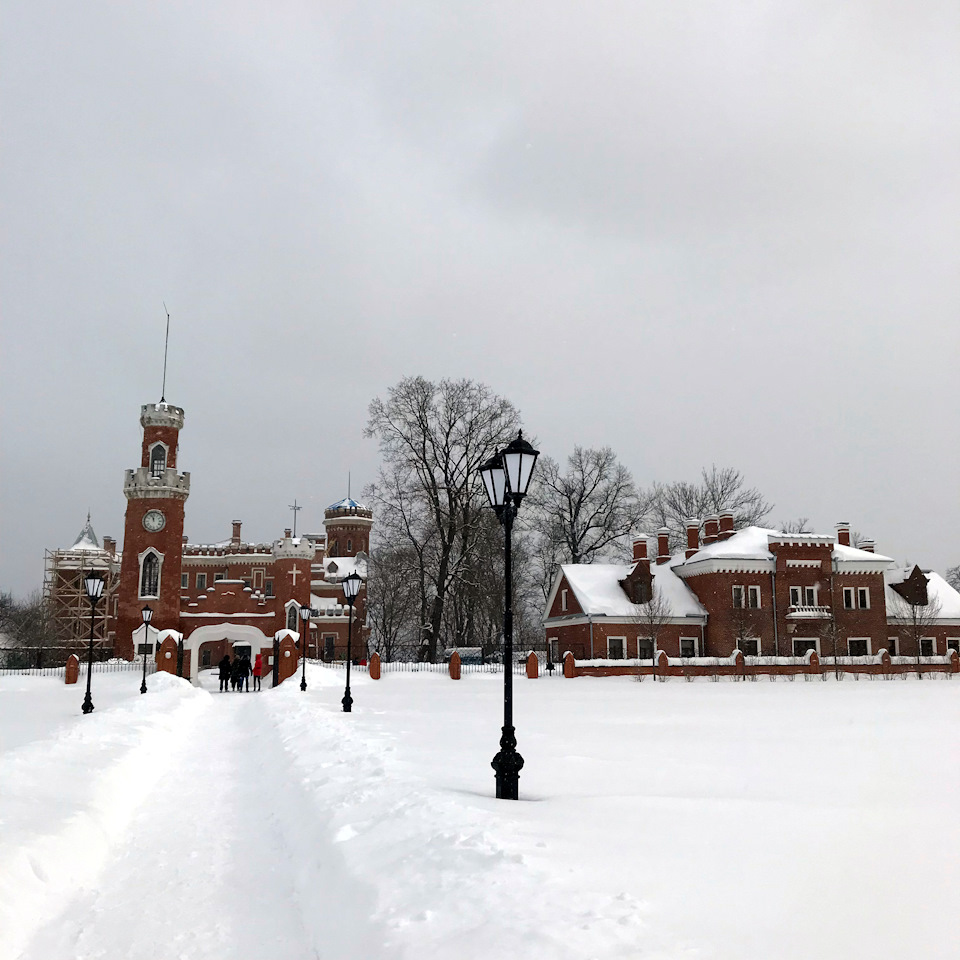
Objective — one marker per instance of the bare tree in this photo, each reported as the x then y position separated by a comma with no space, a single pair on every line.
953,577
800,525
746,632
27,622
651,617
914,614
719,489
583,514
392,601
433,437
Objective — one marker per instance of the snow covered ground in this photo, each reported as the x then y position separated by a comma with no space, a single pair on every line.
710,820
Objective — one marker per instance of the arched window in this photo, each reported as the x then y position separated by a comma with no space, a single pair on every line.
150,576
293,616
158,460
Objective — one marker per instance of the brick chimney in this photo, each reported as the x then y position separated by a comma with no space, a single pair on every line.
726,525
286,533
867,545
693,537
235,536
640,548
663,545
843,534
711,529
110,545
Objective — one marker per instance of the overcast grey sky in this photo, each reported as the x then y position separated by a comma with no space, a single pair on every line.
696,232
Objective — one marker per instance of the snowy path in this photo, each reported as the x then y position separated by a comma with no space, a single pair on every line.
224,859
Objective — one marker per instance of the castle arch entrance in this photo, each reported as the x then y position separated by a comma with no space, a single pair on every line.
238,635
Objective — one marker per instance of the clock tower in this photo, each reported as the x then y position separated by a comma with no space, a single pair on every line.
153,529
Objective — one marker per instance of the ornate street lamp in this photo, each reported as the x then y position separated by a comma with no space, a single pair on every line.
506,477
351,587
93,584
305,614
147,615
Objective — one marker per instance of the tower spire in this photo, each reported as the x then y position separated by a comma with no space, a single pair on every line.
296,509
166,343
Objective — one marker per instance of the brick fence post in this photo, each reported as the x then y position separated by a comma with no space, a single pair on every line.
533,666
72,673
375,667
569,665
455,666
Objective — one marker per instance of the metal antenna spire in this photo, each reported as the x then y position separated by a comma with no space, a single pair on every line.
166,343
296,510
348,484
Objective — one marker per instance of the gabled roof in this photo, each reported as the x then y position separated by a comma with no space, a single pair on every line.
598,591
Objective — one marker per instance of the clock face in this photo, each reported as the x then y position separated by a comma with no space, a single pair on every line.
154,521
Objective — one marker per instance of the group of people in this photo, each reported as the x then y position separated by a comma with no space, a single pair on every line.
237,672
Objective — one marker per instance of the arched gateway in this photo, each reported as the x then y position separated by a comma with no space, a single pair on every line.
214,635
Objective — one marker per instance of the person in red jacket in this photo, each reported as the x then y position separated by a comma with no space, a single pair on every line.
257,671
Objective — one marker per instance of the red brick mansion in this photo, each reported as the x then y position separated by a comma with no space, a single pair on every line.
761,591
235,593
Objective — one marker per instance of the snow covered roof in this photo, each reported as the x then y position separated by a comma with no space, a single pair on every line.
325,603
938,591
598,591
87,539
339,567
753,543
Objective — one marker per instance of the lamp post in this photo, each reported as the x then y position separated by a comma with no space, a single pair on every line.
305,613
147,615
351,587
506,477
93,584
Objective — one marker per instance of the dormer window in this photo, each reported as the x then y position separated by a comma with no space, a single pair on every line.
158,460
641,592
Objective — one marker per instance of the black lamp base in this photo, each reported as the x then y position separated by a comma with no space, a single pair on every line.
507,764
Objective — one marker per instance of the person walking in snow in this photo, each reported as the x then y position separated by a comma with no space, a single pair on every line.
244,673
235,674
224,666
257,671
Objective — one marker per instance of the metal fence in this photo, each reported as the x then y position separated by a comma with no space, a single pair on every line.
51,662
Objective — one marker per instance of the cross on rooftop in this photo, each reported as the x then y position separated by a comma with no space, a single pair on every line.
295,572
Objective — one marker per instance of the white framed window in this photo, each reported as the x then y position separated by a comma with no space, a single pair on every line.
802,644
258,579
218,576
349,546
863,598
738,598
184,581
809,596
563,599
645,648
928,646
158,459
293,617
150,563
849,599
201,581
892,646
688,646
268,588
796,597
553,649
858,646
753,598
615,647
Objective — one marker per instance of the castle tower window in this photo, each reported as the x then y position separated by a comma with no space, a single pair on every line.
158,460
292,617
738,598
201,581
753,598
150,576
268,588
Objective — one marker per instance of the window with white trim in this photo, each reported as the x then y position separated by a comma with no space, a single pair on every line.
858,646
268,588
645,648
953,643
257,579
553,649
753,598
563,599
927,646
849,599
201,581
892,646
688,646
863,598
809,596
796,597
219,576
158,460
184,581
150,575
292,617
738,598
615,648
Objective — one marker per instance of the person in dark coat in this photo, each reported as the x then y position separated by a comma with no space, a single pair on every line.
235,674
224,666
245,672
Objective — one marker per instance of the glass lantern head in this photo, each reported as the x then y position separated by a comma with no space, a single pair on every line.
93,584
494,481
147,614
351,586
518,462
305,613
